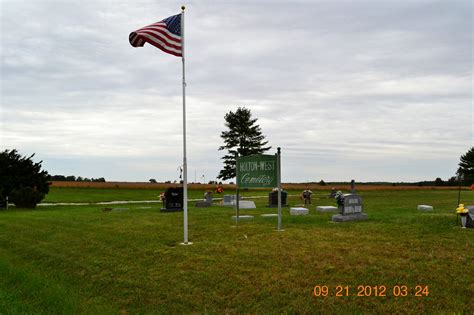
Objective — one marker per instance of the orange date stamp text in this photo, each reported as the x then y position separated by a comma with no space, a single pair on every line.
371,290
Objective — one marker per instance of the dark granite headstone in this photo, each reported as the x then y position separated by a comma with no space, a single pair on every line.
173,199
273,198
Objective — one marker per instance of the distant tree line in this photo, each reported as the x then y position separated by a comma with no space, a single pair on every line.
464,176
72,178
453,181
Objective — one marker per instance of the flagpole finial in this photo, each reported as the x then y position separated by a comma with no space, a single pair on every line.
183,7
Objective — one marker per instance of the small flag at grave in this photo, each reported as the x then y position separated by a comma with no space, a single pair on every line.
165,35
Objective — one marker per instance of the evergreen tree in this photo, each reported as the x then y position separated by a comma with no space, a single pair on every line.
243,136
21,180
466,167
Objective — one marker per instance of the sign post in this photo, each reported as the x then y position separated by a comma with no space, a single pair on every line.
259,171
279,187
237,195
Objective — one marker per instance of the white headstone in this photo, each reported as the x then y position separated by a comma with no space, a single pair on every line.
326,208
243,217
425,208
299,211
246,204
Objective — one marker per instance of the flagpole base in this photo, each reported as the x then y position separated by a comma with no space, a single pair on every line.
280,230
184,244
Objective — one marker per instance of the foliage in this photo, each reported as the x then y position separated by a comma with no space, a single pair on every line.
243,137
26,197
466,167
72,178
439,182
21,179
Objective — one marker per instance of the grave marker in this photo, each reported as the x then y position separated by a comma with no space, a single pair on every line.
351,209
173,200
273,198
299,211
207,202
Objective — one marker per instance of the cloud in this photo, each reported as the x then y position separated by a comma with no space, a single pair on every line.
364,89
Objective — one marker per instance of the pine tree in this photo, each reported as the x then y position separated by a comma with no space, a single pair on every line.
466,167
243,136
22,180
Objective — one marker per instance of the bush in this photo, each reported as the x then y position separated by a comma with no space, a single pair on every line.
26,197
21,180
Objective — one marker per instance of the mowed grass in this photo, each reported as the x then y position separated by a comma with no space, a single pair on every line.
79,259
95,194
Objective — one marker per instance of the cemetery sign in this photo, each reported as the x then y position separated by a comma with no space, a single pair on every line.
257,171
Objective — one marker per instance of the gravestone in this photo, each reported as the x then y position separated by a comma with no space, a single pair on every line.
202,204
299,211
351,210
173,200
424,208
470,217
242,217
229,200
207,202
273,199
326,209
208,196
353,187
246,204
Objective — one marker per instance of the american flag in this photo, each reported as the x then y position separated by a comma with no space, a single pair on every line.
165,35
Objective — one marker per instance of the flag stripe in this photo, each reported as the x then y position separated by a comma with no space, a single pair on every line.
164,31
165,35
177,54
161,35
161,26
156,41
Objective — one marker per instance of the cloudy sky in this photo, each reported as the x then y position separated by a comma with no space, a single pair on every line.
371,90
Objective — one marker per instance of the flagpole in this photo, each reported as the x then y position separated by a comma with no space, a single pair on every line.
279,187
185,163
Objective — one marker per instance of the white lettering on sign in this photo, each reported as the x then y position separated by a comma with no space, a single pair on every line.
259,179
257,166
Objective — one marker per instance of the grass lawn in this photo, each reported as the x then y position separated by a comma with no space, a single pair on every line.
79,259
83,194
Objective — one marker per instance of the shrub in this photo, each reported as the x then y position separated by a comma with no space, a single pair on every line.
26,197
21,180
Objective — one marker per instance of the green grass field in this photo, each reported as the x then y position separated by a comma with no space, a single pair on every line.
79,259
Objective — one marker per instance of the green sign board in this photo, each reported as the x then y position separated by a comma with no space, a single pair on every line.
257,171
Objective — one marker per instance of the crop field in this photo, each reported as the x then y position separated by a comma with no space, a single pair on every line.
193,186
80,259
